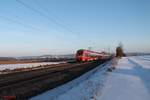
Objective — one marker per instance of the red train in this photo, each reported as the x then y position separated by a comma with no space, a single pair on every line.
87,55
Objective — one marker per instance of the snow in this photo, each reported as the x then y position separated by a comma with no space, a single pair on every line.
27,65
129,81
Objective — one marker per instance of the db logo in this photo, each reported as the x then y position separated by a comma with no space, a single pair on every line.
8,98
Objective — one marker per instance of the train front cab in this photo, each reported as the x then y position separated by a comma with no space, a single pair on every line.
79,55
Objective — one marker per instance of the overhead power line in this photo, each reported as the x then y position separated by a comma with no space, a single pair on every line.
53,16
25,25
19,23
44,15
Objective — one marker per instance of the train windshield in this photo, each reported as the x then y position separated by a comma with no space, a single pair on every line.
80,52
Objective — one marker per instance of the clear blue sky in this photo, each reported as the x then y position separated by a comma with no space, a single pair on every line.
73,24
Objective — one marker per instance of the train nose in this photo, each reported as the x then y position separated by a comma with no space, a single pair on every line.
79,58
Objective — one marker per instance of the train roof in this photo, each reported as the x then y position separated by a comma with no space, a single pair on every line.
90,51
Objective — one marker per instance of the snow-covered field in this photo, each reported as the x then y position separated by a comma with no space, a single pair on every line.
129,81
27,65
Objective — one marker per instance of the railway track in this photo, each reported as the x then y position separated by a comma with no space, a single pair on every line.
23,85
25,75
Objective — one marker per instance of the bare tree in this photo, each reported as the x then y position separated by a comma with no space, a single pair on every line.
119,50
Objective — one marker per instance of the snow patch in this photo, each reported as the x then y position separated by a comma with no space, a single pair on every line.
27,65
